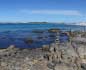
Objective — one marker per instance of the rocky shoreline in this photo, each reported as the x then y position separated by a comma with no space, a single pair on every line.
56,57
70,55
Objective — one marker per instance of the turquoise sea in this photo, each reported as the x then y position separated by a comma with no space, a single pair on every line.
20,34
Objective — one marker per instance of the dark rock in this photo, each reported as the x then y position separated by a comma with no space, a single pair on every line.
53,30
83,66
51,65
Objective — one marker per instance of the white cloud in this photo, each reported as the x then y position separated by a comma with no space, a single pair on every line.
54,12
81,23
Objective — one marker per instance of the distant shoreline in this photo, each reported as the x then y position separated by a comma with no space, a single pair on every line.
19,23
22,22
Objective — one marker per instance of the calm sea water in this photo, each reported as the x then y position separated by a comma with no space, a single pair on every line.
19,34
30,26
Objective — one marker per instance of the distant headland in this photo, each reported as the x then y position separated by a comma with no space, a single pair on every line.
38,22
23,22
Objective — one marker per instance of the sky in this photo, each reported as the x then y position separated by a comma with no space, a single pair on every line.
43,10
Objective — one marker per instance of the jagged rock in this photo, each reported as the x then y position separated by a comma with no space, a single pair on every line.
83,66
59,57
51,65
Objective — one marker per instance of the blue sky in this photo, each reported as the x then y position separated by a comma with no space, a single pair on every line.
42,10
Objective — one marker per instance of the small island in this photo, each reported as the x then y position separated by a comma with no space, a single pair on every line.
38,22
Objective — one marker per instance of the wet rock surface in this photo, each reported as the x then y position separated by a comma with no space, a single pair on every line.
57,57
